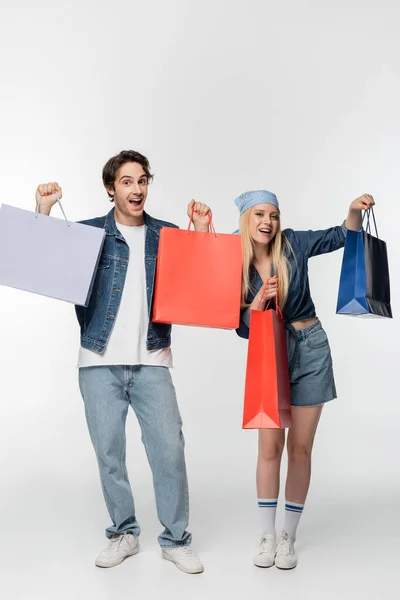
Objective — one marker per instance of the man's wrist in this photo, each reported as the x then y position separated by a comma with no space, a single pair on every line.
44,210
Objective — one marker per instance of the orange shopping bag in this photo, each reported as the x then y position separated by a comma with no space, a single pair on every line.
267,389
198,278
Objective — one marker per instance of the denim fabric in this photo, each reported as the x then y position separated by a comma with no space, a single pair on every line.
305,244
310,366
107,393
96,321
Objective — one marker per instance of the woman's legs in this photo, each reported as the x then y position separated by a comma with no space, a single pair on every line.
299,445
300,441
270,447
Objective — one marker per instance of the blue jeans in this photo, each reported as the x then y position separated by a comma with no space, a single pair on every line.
107,393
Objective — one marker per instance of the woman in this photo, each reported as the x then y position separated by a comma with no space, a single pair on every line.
271,257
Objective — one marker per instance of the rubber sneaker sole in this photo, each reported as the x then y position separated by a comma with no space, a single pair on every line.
107,565
181,567
285,568
263,566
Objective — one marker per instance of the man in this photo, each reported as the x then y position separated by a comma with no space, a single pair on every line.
124,359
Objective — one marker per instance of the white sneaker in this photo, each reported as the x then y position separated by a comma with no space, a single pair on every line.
118,548
285,554
184,558
265,553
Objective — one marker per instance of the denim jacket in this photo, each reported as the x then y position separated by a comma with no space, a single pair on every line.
305,244
96,321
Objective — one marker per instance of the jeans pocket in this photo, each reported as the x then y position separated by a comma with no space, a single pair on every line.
317,339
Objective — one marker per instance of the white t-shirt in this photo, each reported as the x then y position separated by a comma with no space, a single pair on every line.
127,343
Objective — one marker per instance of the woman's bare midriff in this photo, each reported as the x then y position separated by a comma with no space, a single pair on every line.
299,325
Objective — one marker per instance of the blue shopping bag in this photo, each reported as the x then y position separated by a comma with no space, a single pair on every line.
364,287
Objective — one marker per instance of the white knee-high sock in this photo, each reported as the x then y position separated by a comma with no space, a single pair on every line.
267,509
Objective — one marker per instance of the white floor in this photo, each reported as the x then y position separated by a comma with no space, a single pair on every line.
53,515
348,548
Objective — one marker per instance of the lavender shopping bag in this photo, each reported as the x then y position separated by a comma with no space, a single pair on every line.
48,256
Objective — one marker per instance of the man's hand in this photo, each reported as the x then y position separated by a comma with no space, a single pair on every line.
46,195
201,215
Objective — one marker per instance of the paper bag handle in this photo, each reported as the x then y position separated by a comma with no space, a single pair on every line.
59,202
212,229
367,213
278,309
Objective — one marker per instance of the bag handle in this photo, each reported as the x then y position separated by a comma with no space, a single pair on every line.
278,309
367,214
212,229
59,202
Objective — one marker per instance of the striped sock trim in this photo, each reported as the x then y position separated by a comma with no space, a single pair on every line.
294,507
267,503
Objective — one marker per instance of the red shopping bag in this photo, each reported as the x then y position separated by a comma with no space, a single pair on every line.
198,278
267,390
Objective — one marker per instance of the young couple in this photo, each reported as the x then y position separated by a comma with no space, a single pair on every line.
124,359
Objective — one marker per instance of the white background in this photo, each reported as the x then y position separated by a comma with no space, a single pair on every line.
301,98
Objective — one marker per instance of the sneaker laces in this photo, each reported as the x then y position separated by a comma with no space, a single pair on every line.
185,551
114,542
286,545
267,545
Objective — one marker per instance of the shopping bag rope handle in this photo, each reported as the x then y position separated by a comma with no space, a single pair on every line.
212,229
59,202
278,309
368,226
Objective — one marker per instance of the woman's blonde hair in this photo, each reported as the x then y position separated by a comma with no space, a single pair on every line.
279,260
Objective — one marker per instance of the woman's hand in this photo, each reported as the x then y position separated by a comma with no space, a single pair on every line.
267,292
364,202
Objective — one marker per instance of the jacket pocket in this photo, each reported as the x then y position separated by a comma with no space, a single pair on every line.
104,263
